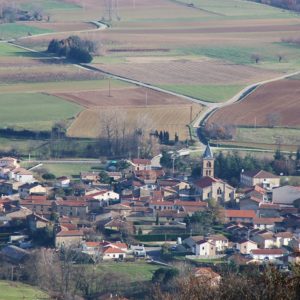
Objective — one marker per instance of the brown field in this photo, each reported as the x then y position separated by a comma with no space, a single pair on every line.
281,98
163,112
184,71
122,97
172,119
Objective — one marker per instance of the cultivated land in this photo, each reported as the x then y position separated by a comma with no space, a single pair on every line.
172,119
17,291
205,51
34,111
280,98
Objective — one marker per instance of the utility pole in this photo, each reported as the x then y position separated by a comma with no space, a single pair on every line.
146,98
191,114
109,87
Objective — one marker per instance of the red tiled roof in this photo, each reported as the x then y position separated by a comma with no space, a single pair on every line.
267,251
284,234
36,197
267,221
191,203
113,250
205,182
231,213
162,203
70,233
36,202
140,161
269,205
92,244
119,245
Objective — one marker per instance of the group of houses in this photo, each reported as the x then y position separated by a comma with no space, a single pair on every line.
261,220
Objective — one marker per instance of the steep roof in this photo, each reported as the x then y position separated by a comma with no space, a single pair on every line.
205,182
208,154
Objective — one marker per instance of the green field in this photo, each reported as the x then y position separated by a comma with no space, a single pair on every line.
70,169
34,111
14,30
209,93
287,136
137,271
18,291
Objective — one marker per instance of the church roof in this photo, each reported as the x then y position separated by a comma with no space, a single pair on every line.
208,152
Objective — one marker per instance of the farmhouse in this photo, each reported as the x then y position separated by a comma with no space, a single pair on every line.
262,178
246,246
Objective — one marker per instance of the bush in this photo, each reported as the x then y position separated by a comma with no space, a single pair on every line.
48,176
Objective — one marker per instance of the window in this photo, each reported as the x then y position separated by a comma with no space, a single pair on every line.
202,248
219,191
208,165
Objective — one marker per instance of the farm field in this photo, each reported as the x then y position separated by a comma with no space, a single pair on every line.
172,119
34,111
16,291
280,99
123,97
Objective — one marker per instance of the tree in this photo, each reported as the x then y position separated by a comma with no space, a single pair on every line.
48,176
79,55
104,178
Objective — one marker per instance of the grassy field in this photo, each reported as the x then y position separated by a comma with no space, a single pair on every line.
13,30
137,271
69,169
287,136
209,93
17,291
34,111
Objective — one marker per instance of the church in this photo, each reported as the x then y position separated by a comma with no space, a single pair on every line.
209,187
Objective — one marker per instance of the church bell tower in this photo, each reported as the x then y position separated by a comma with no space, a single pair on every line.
208,162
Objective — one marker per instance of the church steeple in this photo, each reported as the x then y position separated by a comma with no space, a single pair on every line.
208,162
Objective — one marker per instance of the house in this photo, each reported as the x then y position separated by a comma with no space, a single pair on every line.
285,195
9,187
62,182
68,238
220,241
264,239
270,210
266,223
267,254
72,208
38,206
283,238
244,216
209,187
113,253
97,199
21,175
141,164
207,276
205,248
36,222
8,161
31,189
115,175
262,178
121,209
253,197
89,177
245,246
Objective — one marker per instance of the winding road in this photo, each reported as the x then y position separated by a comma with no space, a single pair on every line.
210,108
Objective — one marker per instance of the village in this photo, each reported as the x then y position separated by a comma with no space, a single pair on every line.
145,214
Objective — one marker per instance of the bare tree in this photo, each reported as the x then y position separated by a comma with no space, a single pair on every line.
256,58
